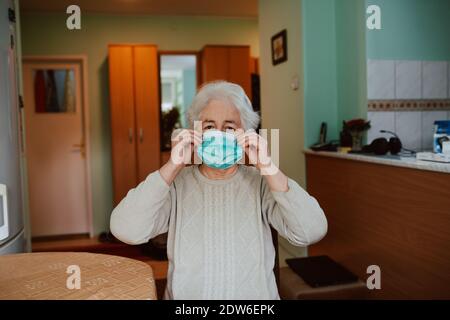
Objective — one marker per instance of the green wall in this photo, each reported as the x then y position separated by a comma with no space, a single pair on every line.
411,30
319,60
334,64
46,34
351,60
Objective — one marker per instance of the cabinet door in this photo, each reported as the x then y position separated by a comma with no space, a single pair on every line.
146,79
239,67
214,63
121,92
230,63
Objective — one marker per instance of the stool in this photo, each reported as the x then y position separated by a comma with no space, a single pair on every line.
292,287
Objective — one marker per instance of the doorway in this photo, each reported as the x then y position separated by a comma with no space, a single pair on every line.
179,79
57,150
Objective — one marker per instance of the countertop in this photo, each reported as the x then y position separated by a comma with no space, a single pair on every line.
402,161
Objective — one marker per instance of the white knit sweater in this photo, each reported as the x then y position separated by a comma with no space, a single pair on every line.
219,240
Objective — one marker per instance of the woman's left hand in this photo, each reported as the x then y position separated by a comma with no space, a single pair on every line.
256,148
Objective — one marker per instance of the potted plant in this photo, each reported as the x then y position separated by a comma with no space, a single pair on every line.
170,121
356,128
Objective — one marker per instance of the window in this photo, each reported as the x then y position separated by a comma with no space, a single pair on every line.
54,90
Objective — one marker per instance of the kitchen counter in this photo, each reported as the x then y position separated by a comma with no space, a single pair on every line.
386,212
399,161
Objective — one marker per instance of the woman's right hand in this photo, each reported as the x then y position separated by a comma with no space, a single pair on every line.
183,143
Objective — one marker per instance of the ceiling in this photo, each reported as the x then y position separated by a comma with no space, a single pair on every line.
227,8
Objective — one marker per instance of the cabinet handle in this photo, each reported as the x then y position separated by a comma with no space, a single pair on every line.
80,147
130,135
141,135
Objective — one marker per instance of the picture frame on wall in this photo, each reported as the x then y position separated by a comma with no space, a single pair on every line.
279,47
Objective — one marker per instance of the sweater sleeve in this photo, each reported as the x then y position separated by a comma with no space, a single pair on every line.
144,212
295,214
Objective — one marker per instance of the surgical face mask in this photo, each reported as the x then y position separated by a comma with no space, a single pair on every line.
219,149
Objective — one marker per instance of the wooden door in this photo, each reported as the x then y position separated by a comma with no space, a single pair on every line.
146,75
214,63
55,140
230,63
121,90
239,67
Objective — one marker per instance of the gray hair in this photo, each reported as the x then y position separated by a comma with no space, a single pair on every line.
226,92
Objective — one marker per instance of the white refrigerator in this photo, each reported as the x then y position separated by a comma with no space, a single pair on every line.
12,239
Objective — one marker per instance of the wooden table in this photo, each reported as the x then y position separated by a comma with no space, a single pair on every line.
42,276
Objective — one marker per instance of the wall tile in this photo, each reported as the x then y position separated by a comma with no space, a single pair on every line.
380,79
428,118
408,79
408,126
434,79
380,120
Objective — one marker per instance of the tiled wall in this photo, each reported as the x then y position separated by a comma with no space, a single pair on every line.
414,128
390,80
412,95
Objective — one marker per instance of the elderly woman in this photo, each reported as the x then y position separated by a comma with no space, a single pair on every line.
218,214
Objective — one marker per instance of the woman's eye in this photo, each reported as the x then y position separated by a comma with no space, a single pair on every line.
208,127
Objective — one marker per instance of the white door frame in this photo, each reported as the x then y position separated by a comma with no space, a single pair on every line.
82,60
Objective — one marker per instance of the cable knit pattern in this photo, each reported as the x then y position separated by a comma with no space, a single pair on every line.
219,244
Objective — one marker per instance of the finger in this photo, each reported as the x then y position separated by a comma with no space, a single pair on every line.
240,137
241,142
252,156
239,132
198,134
186,140
253,140
250,145
245,138
197,140
176,134
181,135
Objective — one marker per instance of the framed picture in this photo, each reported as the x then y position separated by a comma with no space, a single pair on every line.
279,47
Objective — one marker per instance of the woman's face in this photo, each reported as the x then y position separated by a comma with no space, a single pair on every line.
221,116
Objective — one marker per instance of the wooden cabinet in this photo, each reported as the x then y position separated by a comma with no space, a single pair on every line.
134,109
231,63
